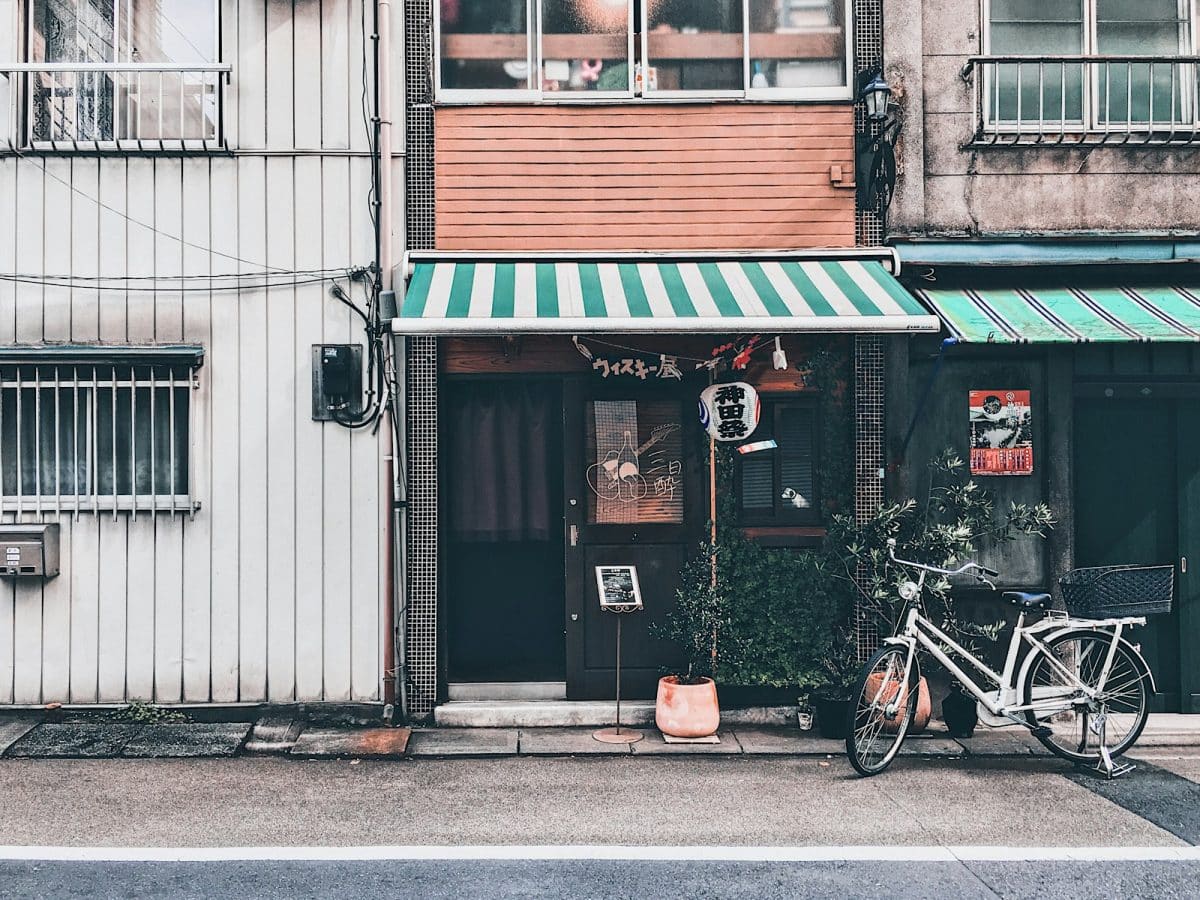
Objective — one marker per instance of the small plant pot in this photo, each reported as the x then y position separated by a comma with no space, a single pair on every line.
687,710
960,713
922,713
832,715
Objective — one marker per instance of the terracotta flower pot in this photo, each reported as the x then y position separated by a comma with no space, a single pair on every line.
686,710
924,708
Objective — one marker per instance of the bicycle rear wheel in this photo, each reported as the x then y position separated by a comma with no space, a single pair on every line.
882,706
1119,713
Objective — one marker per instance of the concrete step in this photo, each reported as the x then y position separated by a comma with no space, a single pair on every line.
507,690
592,713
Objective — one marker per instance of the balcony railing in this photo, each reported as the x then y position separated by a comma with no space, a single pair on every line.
1084,100
117,106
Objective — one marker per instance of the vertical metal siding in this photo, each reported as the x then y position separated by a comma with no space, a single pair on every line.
271,592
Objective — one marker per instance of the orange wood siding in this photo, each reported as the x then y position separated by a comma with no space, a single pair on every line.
659,177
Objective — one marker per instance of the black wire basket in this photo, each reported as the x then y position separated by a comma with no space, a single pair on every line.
1106,591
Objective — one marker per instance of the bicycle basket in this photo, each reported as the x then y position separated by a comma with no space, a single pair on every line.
1105,591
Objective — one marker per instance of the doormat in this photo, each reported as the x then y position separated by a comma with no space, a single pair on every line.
710,739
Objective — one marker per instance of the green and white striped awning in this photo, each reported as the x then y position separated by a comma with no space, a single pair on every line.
1068,314
496,293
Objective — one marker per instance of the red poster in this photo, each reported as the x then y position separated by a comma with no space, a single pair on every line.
1001,433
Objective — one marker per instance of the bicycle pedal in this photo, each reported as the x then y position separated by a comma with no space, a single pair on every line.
1042,731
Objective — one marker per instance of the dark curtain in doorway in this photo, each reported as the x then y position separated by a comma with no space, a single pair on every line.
501,440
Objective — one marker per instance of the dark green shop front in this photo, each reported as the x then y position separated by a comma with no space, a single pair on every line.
1113,364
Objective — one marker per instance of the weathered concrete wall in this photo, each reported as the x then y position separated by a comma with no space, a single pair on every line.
943,423
947,190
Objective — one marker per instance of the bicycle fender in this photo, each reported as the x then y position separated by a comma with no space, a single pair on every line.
1029,658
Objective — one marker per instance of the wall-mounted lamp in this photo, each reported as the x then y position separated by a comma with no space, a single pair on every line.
876,94
875,150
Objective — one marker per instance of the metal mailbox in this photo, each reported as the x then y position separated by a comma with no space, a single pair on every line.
29,551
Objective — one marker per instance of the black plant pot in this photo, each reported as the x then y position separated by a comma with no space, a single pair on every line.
832,714
960,714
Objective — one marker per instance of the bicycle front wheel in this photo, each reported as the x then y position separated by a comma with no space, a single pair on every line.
882,707
1115,718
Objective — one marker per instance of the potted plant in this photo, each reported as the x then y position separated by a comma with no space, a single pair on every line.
686,705
955,520
839,672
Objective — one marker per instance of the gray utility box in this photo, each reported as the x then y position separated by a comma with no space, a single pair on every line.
29,551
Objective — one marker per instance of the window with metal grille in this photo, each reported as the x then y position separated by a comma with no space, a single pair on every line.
91,437
125,74
780,486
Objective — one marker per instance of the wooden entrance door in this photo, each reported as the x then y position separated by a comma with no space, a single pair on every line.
635,483
1137,500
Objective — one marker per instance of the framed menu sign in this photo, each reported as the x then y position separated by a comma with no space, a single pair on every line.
618,587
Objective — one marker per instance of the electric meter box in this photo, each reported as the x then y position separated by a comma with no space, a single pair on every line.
29,551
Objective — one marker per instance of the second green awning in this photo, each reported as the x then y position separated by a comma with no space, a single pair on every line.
1068,314
491,293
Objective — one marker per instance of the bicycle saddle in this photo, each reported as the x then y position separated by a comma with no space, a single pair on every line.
1026,599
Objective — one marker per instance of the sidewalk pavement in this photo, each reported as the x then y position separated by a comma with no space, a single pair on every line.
28,735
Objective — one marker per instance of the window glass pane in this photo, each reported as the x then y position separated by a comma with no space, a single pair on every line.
796,481
797,43
79,440
1138,92
635,461
485,44
70,105
758,471
585,45
695,45
1031,92
168,31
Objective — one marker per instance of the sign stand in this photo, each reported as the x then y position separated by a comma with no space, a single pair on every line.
618,735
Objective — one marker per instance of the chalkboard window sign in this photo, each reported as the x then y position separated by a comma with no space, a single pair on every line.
618,587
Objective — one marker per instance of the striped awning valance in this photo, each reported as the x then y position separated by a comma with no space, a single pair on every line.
496,294
1068,314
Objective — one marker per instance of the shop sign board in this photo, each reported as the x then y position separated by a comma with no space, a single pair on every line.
1001,433
729,412
618,588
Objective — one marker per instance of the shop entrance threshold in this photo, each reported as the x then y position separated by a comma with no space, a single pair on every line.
540,713
506,690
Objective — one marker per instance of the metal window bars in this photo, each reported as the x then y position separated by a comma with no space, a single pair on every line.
116,106
92,438
1087,100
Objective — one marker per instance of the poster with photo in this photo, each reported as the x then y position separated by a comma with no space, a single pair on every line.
1001,433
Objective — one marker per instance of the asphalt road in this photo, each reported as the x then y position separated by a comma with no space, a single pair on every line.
601,879
701,818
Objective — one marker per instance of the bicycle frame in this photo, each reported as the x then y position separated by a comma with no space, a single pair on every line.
1000,699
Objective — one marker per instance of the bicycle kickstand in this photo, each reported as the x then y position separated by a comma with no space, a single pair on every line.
1106,767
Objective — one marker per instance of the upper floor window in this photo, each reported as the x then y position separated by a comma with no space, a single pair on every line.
1059,67
141,73
611,49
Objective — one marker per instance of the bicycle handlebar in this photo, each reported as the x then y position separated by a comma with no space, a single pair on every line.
983,571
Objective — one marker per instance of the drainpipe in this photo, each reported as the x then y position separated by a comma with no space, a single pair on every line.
387,434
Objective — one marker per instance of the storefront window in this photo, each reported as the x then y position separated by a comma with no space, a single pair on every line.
635,462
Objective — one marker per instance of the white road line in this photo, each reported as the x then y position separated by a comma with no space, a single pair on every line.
602,852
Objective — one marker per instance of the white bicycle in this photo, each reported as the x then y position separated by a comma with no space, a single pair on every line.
1080,686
